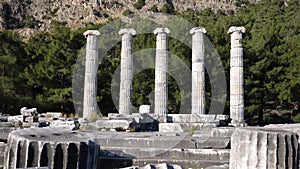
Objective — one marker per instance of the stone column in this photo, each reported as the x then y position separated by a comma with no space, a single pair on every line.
236,76
90,105
161,69
198,71
263,148
126,75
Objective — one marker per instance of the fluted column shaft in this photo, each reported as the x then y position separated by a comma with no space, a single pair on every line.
236,76
52,147
161,69
90,79
198,71
263,148
126,75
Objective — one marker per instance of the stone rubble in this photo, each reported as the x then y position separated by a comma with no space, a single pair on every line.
144,109
28,112
156,166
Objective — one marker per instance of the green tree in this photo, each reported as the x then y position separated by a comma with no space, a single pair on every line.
52,62
11,64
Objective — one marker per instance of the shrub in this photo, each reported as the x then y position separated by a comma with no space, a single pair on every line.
154,8
127,12
30,22
139,4
96,13
53,13
105,15
167,8
239,3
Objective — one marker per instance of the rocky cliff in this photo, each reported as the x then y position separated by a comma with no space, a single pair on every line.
29,16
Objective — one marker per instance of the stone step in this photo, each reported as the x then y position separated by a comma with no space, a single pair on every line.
158,140
182,162
224,166
197,118
222,131
156,166
185,127
163,153
117,162
114,162
145,140
201,134
213,143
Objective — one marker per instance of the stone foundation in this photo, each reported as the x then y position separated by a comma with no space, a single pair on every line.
57,148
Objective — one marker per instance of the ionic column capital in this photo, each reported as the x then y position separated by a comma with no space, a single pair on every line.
91,32
127,31
161,30
197,30
239,29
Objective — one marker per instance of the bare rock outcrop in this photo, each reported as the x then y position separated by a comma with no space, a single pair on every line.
31,16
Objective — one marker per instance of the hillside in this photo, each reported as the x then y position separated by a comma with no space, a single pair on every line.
31,16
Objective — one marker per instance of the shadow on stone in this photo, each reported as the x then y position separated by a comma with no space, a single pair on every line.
110,160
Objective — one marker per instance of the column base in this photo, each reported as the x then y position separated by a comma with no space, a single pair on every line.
238,123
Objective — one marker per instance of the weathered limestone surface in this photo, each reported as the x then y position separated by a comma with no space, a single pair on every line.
17,118
261,148
198,71
145,109
126,75
144,140
196,118
161,69
224,166
90,105
53,115
185,127
122,124
135,121
187,122
288,127
168,153
53,147
236,76
28,112
2,152
139,117
156,166
222,132
155,147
